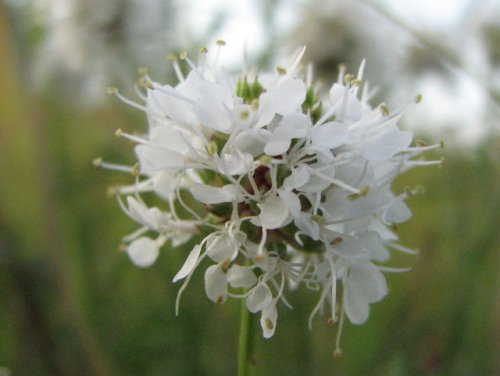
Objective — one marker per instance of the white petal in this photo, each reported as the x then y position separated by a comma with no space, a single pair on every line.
268,320
292,201
237,163
153,157
398,212
329,135
221,248
297,179
278,143
388,144
364,285
273,212
241,276
149,217
160,103
250,141
288,96
189,264
352,109
307,225
356,308
143,252
169,138
212,117
259,297
216,284
213,195
296,124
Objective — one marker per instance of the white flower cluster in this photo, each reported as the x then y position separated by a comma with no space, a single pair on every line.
282,187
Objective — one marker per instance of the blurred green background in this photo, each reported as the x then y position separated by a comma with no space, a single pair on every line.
72,304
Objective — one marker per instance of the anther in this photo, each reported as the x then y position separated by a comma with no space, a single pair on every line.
337,354
97,162
418,98
420,143
265,159
220,300
183,54
220,42
364,191
348,78
244,115
136,169
149,85
357,82
281,71
112,90
384,109
332,320
255,104
408,192
212,148
142,71
269,324
318,218
225,264
203,50
119,132
172,57
112,191
337,241
122,247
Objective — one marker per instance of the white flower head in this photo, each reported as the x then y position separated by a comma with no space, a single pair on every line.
279,185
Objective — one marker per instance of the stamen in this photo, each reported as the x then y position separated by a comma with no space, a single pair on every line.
338,351
342,69
120,133
219,44
337,182
128,101
334,288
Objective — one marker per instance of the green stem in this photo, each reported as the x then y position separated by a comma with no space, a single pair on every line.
245,340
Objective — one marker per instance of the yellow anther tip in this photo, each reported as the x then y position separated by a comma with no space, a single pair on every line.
97,162
136,170
348,78
220,42
119,132
384,109
112,90
281,71
172,57
337,354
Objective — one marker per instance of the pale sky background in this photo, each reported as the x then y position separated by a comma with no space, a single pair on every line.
441,106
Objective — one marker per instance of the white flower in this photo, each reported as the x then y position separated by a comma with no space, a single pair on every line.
281,186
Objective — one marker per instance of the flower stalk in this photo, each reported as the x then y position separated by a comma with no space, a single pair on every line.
245,341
